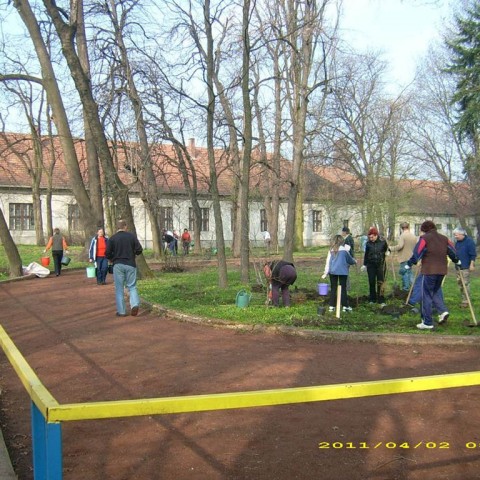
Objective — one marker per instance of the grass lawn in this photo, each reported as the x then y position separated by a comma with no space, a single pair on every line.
195,290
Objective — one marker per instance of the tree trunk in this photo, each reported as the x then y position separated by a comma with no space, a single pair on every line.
247,149
59,115
221,259
11,251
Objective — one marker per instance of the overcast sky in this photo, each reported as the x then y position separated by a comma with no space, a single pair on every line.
403,29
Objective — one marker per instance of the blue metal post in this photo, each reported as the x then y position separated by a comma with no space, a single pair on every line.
47,447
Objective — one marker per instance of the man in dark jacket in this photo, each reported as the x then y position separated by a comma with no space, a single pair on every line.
121,251
432,248
348,239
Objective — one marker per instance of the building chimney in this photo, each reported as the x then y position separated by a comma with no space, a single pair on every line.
191,146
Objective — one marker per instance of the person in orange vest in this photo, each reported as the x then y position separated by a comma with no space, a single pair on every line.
96,253
58,244
186,239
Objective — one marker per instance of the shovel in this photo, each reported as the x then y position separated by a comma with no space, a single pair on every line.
475,323
394,275
411,286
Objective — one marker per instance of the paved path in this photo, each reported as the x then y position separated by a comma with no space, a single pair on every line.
67,330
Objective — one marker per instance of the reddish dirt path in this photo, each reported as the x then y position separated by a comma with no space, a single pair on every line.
67,329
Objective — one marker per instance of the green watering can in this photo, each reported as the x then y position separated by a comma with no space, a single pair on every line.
243,299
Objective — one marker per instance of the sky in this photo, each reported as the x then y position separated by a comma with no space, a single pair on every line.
403,29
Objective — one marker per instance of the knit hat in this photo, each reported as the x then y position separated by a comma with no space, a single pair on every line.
427,226
373,231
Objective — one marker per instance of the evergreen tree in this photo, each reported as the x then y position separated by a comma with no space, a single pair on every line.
465,65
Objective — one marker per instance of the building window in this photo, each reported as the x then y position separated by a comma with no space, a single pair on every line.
263,220
21,216
74,219
191,220
439,227
166,218
345,223
417,229
317,220
205,220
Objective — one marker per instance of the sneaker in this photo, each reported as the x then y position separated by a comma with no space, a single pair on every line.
347,309
423,326
443,317
134,311
121,314
331,309
383,305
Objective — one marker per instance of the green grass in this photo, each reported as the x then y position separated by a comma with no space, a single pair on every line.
195,291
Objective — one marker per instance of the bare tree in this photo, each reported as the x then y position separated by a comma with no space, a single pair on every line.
364,129
301,31
54,98
65,31
439,147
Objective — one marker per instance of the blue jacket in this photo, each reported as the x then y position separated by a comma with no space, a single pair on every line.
92,251
466,251
339,262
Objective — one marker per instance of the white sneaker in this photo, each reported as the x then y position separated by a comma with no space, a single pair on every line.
422,326
347,309
331,309
443,317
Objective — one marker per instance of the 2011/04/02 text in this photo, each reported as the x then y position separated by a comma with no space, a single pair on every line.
390,445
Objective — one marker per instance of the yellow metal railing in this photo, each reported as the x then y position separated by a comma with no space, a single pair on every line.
54,413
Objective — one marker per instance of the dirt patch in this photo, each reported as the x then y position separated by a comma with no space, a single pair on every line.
67,329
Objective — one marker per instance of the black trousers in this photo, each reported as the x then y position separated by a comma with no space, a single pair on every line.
336,280
57,260
376,280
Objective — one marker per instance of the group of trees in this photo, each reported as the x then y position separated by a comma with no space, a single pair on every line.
261,80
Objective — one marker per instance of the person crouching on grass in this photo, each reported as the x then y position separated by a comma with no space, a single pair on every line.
338,261
281,275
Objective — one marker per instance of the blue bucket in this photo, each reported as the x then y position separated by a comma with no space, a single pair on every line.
323,288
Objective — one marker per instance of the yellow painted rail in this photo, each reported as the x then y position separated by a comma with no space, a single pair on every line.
54,412
261,398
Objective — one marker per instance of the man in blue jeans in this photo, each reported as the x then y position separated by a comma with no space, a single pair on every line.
438,301
121,251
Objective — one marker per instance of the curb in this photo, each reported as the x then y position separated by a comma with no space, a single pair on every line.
6,468
332,336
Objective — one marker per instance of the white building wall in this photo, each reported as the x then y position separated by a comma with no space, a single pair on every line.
332,220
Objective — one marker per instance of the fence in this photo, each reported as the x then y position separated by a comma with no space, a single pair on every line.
47,414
